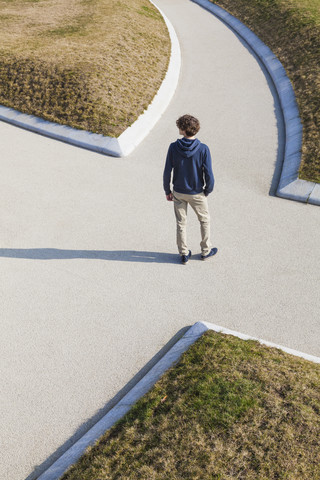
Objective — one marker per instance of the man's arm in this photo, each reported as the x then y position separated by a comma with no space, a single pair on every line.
208,173
167,176
169,197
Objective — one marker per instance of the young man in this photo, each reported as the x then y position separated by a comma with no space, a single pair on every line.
192,181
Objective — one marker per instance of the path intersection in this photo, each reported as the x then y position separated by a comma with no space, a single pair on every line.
91,289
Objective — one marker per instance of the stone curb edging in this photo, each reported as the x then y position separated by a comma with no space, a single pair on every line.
290,186
132,136
142,387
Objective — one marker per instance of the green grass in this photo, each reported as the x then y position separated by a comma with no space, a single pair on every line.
230,409
291,28
91,64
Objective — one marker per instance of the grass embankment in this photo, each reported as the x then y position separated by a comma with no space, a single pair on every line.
291,28
230,409
93,65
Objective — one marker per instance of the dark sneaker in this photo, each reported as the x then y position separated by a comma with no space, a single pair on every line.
185,258
212,252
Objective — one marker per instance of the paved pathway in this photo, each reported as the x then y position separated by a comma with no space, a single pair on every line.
90,288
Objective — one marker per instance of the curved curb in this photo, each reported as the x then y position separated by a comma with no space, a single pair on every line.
142,387
132,136
290,186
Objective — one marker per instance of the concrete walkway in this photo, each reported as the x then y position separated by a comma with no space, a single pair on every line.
91,291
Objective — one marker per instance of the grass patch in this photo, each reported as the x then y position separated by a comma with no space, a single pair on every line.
230,409
291,28
91,64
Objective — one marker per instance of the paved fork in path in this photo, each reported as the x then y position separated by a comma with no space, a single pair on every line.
91,290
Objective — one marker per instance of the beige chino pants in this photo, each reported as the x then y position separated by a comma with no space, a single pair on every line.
199,204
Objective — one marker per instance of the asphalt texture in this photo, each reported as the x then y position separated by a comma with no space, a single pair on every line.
92,291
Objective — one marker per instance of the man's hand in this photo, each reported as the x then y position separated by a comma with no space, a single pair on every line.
169,197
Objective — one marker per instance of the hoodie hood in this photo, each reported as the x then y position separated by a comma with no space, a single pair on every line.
187,147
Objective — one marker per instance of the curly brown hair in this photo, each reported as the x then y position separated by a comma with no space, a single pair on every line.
188,124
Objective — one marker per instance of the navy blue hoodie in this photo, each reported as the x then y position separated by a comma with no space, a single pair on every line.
191,163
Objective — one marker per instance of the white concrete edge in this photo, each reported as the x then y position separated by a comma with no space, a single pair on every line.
290,186
123,406
296,353
315,195
57,469
132,136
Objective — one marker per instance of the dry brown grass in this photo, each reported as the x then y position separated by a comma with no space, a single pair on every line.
291,28
91,64
230,409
